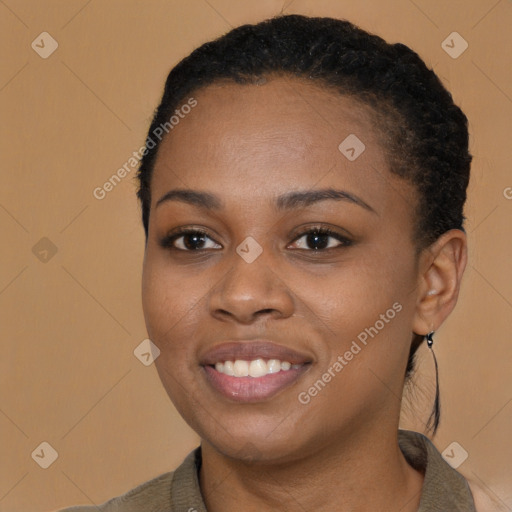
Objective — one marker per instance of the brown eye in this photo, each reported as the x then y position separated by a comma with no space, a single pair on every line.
190,240
318,239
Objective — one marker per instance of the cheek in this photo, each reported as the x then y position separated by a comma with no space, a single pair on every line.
367,308
355,295
171,308
171,311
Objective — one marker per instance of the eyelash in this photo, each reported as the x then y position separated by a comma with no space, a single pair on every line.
168,241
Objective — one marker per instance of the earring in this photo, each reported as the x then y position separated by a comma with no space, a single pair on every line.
433,421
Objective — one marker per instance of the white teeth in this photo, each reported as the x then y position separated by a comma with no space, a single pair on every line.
241,368
274,365
258,368
228,368
255,368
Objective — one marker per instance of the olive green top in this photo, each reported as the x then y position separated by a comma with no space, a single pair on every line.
444,489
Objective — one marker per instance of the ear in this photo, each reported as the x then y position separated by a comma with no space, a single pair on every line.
440,272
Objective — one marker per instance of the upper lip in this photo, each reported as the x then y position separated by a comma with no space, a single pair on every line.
248,350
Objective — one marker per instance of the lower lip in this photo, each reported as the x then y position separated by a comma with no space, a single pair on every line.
252,389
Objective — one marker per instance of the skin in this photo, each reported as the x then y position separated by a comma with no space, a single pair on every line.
248,144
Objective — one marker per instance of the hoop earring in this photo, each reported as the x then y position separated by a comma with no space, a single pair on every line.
433,420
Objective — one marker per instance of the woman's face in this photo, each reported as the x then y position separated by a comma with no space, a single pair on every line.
255,286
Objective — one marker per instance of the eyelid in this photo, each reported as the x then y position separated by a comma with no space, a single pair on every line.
344,240
167,242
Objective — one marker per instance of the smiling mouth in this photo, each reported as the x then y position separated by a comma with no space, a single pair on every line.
252,370
255,368
258,380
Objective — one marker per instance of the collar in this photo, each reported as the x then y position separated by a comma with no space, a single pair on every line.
443,487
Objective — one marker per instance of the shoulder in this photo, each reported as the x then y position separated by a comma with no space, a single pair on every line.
150,496
444,488
168,491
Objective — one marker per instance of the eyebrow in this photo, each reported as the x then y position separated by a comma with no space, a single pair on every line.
292,200
201,199
288,201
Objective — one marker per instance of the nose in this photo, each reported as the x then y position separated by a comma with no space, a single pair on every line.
249,291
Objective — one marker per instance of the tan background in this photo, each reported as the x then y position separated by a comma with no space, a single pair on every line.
70,324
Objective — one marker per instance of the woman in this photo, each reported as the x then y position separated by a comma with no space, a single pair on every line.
302,197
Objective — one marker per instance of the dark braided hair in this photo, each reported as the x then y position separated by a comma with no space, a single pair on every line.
424,134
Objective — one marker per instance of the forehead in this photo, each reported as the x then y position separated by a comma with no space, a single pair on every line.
281,135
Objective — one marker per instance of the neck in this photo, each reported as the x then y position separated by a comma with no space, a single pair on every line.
358,474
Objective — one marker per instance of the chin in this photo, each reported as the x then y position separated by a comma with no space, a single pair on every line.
248,443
